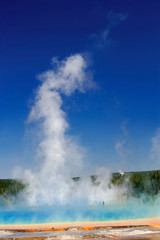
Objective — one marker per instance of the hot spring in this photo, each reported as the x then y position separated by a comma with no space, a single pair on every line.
77,212
51,195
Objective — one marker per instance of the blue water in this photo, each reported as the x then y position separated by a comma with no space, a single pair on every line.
77,212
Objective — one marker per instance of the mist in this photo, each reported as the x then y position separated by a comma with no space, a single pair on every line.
60,156
52,194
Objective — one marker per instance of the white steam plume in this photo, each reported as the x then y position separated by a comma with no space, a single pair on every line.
59,151
155,150
61,155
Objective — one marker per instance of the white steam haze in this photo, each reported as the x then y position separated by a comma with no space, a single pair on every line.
155,149
61,156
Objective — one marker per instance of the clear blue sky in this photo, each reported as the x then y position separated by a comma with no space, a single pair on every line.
114,122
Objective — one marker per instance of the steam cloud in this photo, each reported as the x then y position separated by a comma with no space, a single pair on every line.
103,39
60,153
155,149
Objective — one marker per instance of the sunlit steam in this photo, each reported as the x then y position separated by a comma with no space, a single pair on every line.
61,155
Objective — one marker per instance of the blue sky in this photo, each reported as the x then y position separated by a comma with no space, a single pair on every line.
118,122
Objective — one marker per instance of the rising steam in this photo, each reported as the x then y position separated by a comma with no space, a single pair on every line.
61,155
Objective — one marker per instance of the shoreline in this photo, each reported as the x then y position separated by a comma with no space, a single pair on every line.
155,222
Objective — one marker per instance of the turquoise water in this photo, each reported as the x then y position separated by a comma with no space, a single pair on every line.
77,212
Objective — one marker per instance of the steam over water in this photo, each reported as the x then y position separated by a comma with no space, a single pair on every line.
52,195
60,156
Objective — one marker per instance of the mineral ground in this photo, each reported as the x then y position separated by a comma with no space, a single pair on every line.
142,229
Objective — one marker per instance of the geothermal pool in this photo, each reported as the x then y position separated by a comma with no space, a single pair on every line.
81,221
77,213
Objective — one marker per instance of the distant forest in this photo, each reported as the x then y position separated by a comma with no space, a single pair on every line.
140,183
146,183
